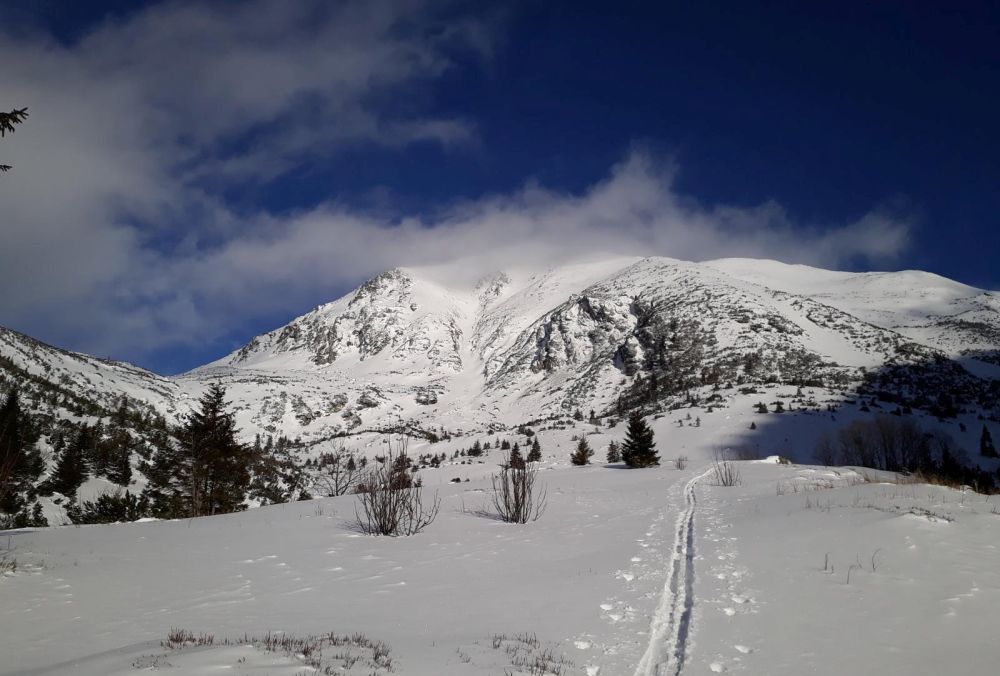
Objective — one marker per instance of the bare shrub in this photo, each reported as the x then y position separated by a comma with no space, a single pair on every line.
527,655
389,501
681,462
309,650
726,472
886,443
518,496
181,638
8,565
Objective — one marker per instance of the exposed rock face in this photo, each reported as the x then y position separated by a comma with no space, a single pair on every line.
407,348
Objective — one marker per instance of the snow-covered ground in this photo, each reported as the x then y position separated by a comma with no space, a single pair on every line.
627,572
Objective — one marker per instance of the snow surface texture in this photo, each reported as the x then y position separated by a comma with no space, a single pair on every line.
798,569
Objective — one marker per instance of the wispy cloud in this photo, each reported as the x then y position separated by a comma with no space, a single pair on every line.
115,242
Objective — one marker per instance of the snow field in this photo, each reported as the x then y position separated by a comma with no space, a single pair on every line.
625,571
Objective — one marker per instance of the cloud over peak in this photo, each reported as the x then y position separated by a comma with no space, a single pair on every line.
118,239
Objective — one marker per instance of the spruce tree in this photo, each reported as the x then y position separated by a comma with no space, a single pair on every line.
7,124
614,453
38,519
639,449
207,471
476,450
10,448
535,454
120,467
515,460
219,464
583,452
71,468
986,447
21,463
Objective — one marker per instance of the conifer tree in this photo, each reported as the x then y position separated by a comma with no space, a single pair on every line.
986,447
535,454
614,452
215,465
639,449
10,445
516,460
120,467
7,125
71,466
38,519
583,452
207,471
21,463
476,450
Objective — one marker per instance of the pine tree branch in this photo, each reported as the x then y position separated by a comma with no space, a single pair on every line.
8,120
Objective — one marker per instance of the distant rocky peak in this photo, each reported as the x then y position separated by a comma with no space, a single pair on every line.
391,286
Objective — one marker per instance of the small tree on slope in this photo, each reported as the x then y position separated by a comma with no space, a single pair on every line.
535,454
516,460
71,467
614,452
583,452
639,449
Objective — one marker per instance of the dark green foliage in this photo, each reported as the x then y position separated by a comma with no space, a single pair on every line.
535,454
113,508
986,447
207,471
20,462
614,452
639,449
278,474
583,452
515,460
400,476
38,519
120,469
476,450
33,518
7,122
117,453
71,467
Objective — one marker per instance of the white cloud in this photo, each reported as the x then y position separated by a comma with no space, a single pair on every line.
112,243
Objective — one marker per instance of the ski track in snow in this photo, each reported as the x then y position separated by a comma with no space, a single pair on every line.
671,622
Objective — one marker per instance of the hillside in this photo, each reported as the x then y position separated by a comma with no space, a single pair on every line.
457,351
407,348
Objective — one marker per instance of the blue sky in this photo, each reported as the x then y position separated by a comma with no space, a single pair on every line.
167,209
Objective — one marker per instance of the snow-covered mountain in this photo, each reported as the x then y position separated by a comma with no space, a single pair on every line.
432,348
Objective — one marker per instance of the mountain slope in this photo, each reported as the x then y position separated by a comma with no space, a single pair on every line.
426,349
